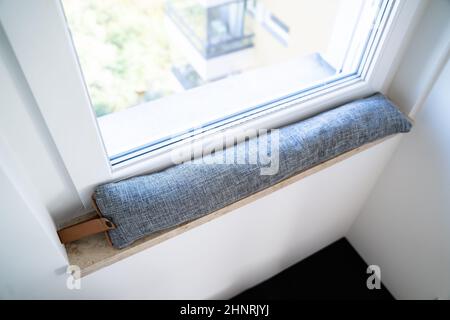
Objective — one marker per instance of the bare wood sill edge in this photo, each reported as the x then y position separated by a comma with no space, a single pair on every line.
94,253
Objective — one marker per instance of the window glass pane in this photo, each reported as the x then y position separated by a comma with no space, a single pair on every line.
137,56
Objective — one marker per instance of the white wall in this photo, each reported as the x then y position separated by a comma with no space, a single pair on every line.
405,225
32,259
429,39
22,125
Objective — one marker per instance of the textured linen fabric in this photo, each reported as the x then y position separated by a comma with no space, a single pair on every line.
142,205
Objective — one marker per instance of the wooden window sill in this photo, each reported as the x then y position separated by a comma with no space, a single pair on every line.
94,253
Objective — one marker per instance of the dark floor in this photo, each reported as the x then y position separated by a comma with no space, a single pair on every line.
336,272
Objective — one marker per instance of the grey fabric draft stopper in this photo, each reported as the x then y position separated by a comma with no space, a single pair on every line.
142,205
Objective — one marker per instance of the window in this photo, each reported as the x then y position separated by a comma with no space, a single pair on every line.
137,54
225,64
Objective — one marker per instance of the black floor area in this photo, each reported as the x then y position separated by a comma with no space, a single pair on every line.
336,272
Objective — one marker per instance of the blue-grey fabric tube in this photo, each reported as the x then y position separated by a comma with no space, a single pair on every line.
143,205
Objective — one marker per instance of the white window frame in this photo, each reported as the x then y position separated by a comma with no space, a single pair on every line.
42,43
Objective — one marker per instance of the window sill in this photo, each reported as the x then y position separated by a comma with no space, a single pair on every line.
94,253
